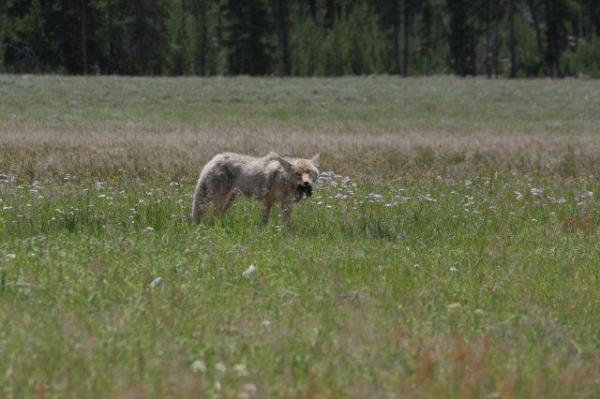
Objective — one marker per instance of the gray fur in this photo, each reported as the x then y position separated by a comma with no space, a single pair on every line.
268,179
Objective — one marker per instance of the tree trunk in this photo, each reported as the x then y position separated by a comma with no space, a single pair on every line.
496,50
511,39
594,14
83,37
406,49
109,41
199,11
427,35
488,51
330,11
538,30
312,5
282,20
396,40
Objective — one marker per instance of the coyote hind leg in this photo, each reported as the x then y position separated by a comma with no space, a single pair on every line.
225,202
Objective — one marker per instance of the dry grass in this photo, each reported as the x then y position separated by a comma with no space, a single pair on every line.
167,128
178,152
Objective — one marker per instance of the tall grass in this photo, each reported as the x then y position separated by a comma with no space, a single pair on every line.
428,263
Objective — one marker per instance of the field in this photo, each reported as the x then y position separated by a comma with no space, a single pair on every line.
451,248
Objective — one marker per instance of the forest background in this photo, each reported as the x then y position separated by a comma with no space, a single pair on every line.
504,38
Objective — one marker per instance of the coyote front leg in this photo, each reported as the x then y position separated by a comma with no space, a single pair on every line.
286,215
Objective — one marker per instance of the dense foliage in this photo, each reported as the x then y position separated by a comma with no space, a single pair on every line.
515,38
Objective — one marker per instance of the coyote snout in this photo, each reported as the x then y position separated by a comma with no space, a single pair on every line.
268,179
306,188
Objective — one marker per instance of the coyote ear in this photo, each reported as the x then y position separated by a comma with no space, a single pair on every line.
275,156
284,162
315,160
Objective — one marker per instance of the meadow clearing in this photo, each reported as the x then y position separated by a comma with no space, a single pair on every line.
451,248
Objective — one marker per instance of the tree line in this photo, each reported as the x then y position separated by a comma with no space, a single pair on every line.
501,38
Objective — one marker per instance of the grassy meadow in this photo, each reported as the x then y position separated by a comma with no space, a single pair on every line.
451,249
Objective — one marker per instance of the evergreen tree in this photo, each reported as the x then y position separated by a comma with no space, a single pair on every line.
409,9
463,37
199,10
489,15
301,37
29,42
75,23
557,13
138,37
281,12
246,37
431,54
390,17
181,62
512,8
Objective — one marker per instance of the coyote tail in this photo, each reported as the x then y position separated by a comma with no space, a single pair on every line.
198,201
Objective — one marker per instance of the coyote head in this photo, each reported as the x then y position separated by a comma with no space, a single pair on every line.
303,174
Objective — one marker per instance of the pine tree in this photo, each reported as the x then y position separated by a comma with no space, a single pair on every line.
489,14
512,9
557,13
180,47
199,10
246,31
463,37
281,12
303,37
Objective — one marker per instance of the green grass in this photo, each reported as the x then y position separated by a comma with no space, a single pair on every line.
347,104
472,273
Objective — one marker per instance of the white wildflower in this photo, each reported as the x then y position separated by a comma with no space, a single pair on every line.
240,369
252,269
157,282
198,366
536,191
250,388
220,367
375,196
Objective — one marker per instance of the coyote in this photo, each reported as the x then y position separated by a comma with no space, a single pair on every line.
269,179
